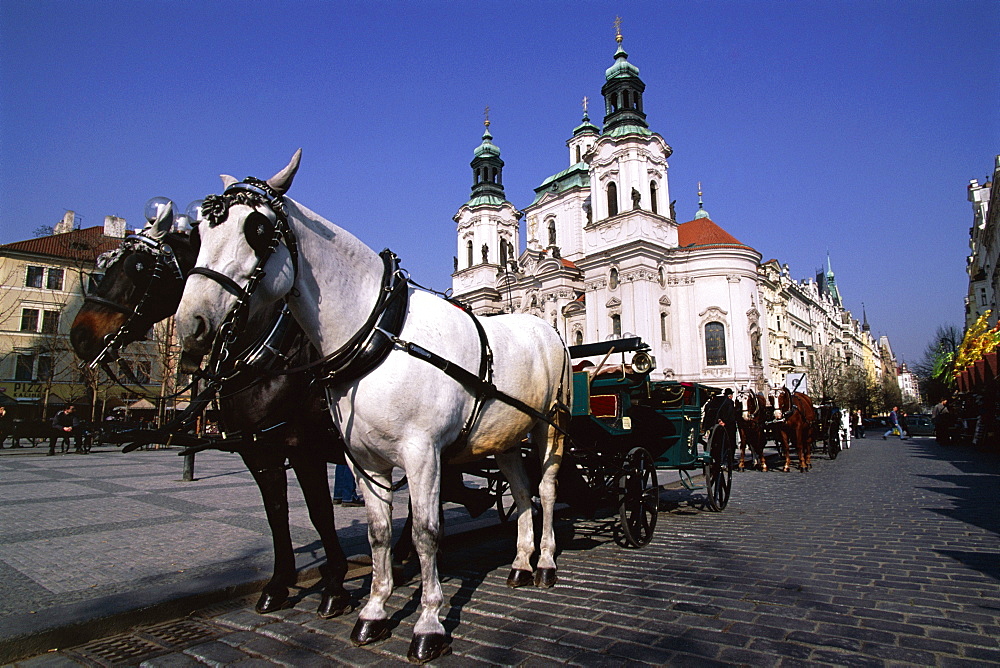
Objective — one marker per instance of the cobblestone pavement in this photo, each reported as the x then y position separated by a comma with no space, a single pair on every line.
889,555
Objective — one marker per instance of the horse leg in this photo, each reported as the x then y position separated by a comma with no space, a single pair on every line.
545,575
786,443
512,467
743,450
429,638
310,469
373,623
403,549
268,470
758,450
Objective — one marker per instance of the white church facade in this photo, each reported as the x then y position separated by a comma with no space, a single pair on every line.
605,257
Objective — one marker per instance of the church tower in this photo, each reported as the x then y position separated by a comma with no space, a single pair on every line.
487,233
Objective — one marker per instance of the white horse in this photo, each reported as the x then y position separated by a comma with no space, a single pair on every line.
405,412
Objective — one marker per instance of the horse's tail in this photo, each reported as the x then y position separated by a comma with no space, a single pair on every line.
564,397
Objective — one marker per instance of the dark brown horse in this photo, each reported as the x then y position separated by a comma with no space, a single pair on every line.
142,284
794,421
752,414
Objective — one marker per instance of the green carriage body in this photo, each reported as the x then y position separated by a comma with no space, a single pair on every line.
616,412
624,427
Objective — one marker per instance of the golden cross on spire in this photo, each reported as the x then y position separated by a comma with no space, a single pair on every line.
486,116
585,101
618,29
699,191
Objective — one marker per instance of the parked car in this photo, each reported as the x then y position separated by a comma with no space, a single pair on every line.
919,425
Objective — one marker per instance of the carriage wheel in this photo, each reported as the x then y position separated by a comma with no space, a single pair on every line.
719,472
500,489
638,497
833,447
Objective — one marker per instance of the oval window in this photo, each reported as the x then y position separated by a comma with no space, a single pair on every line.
613,279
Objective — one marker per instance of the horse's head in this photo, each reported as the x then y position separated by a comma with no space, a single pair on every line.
142,284
239,232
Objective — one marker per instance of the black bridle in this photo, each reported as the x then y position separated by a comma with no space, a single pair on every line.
165,266
215,209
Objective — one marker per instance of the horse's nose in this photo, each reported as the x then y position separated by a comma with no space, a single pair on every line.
199,340
82,342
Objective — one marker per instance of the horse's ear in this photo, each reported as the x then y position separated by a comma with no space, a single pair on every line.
164,221
227,180
282,181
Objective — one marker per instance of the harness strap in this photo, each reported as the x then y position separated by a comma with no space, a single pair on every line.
108,303
469,380
394,290
226,282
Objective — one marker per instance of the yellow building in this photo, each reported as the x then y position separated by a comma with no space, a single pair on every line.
42,284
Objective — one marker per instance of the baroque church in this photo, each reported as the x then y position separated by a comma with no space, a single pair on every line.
605,257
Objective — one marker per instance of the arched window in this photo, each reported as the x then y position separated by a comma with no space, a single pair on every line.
578,156
503,252
616,324
612,199
652,195
715,344
613,278
663,327
552,231
468,249
578,338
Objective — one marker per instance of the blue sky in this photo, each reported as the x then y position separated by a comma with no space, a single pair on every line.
849,127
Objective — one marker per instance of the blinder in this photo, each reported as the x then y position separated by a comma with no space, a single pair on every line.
138,265
259,232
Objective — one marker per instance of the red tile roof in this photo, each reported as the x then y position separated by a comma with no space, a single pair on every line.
85,244
703,232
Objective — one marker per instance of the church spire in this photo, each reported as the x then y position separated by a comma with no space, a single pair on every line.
487,167
831,281
701,213
865,326
622,93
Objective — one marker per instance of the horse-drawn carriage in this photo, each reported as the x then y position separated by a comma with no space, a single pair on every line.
377,337
829,430
625,427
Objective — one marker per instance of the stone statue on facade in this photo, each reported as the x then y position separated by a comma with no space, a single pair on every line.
636,197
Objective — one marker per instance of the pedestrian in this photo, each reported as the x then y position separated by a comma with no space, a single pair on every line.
904,424
726,416
4,426
858,423
845,429
65,425
941,417
894,426
345,488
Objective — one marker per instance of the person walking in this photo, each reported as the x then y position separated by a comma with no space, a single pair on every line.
894,425
65,425
858,423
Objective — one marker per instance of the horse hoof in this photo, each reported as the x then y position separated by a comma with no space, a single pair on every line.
545,577
334,604
367,631
270,601
427,647
519,578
